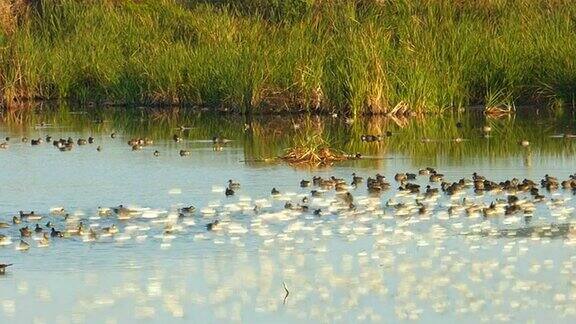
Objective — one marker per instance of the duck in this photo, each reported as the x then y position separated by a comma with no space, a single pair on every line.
217,139
81,141
99,148
113,135
35,142
92,236
4,225
187,210
4,145
44,241
176,138
38,229
23,246
229,192
305,183
356,179
25,232
233,185
400,177
16,220
212,226
184,152
156,153
348,198
3,267
55,233
274,192
431,191
436,177
91,140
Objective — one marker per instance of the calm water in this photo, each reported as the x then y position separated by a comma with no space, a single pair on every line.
379,262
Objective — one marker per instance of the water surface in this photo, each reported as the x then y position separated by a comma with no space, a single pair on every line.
377,263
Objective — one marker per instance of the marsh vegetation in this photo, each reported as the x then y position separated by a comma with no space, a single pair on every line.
350,57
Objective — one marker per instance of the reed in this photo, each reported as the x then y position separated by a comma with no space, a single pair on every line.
351,57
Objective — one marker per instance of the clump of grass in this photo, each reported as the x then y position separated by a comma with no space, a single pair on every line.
309,147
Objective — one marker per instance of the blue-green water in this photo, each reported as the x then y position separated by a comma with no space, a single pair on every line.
376,263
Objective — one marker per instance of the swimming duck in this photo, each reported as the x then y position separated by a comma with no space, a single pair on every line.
156,153
184,153
400,177
436,177
23,246
112,229
24,139
356,179
3,145
233,185
274,192
113,135
82,141
348,198
25,232
44,241
92,236
187,210
4,225
137,147
3,267
304,183
7,138
91,140
15,220
176,138
212,226
55,233
35,142
38,229
229,192
219,140
99,148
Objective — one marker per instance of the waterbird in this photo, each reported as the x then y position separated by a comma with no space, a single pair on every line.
38,229
274,192
23,246
212,226
25,231
229,192
184,152
3,267
233,185
187,210
156,153
304,183
3,145
55,233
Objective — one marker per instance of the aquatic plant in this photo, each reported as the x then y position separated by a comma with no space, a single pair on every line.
311,147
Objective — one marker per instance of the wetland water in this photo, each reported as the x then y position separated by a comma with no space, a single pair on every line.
383,261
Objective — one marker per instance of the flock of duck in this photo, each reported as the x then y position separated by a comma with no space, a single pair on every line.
519,198
384,210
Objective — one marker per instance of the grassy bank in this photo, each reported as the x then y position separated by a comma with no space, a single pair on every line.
368,56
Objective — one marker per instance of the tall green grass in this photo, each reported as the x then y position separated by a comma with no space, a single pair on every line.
352,57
